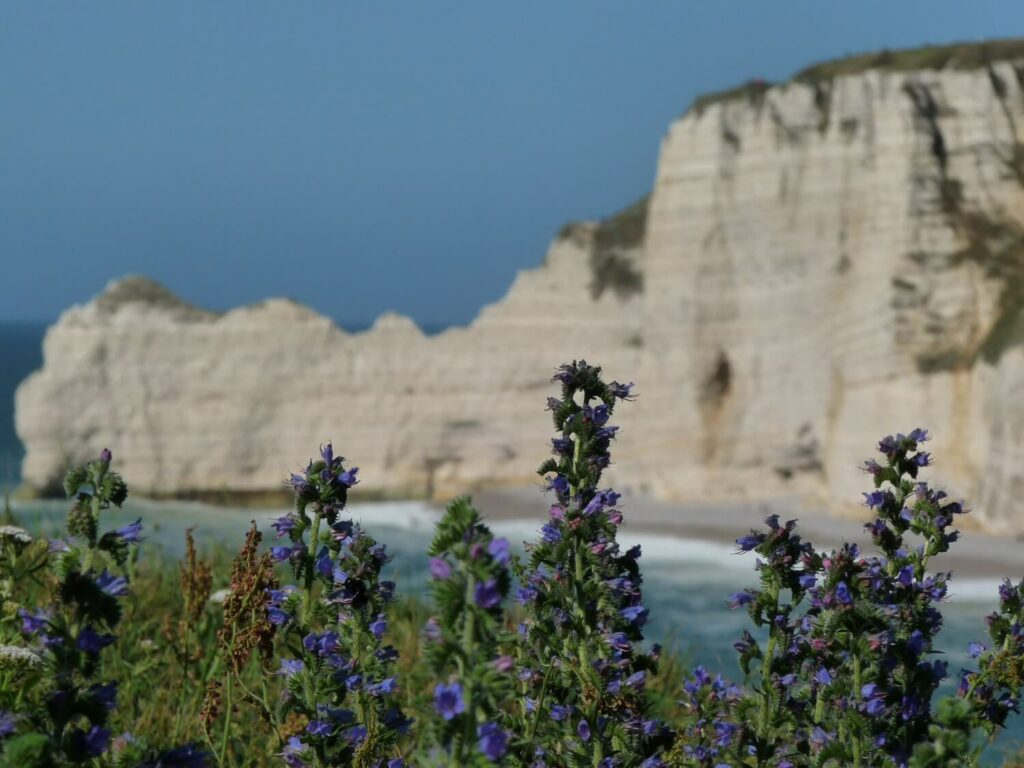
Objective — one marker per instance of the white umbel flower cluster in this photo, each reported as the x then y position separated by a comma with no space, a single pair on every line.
15,534
14,658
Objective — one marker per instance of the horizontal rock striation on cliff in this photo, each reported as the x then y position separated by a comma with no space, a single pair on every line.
819,262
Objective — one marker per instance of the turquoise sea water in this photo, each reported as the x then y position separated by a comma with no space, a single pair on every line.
686,582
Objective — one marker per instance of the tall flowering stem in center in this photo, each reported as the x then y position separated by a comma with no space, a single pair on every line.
470,582
339,671
583,677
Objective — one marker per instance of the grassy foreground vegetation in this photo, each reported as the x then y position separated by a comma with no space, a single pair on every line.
297,651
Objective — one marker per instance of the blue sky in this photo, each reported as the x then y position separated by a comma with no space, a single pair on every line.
363,157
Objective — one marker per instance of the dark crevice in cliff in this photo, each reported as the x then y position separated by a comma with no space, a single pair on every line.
996,244
927,112
823,103
713,397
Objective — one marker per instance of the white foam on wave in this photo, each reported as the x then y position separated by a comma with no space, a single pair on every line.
974,590
403,515
653,547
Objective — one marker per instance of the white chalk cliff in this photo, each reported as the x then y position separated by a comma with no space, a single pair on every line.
820,263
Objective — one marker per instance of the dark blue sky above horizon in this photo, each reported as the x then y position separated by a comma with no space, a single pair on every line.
362,157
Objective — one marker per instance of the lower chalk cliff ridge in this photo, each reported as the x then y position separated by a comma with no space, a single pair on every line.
819,263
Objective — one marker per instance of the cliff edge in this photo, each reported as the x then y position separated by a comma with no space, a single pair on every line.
820,262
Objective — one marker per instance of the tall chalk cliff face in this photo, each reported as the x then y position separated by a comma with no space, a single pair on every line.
819,263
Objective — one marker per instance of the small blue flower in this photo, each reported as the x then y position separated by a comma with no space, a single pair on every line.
560,484
749,542
293,753
319,728
386,686
448,700
348,478
89,641
737,599
35,622
499,550
439,568
115,586
129,534
906,575
559,712
525,595
280,553
843,593
635,614
487,594
550,533
583,730
8,723
493,743
284,524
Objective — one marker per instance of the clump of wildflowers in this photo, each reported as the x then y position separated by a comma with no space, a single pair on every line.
847,673
64,717
338,673
582,671
712,733
987,696
470,580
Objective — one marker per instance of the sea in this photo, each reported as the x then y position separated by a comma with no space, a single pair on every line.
686,581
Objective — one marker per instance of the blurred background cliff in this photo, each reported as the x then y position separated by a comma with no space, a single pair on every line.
814,254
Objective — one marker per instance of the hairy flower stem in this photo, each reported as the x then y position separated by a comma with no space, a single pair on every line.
223,752
580,608
766,668
468,651
540,703
307,608
855,695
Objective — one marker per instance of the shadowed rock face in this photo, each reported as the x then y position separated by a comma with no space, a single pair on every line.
819,263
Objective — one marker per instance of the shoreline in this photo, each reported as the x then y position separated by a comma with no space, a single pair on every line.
671,529
975,555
